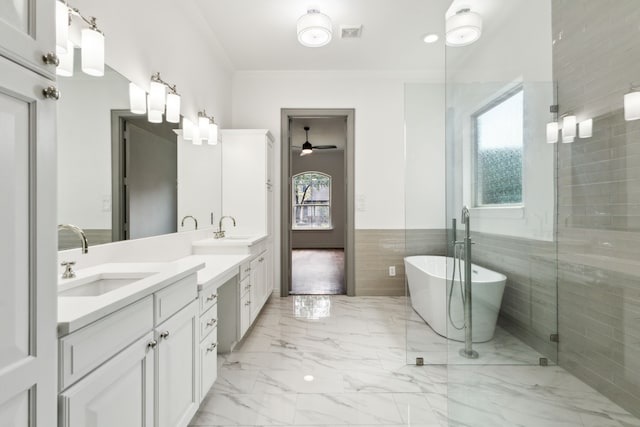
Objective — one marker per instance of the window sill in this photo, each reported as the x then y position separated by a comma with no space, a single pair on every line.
312,229
505,212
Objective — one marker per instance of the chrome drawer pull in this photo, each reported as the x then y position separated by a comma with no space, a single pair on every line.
212,297
212,322
164,335
152,344
212,347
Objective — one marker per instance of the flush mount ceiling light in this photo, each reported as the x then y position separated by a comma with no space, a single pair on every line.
314,29
463,28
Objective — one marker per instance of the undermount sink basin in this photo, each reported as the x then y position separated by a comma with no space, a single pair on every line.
102,283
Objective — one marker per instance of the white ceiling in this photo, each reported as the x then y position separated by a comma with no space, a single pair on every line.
261,34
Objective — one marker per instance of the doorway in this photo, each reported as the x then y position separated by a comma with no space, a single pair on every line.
317,202
144,177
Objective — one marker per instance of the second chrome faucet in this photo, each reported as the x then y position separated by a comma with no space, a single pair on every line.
220,233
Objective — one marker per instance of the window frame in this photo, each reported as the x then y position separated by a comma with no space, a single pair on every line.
294,205
504,96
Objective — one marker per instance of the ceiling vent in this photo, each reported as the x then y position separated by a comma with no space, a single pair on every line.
350,31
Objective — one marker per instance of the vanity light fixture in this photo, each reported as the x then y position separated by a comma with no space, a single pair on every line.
137,99
632,104
152,115
65,66
569,123
159,99
62,27
314,29
585,128
173,108
463,28
187,129
207,128
552,132
90,40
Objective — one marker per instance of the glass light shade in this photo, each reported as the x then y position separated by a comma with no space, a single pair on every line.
173,108
463,28
632,106
569,124
307,148
65,67
213,134
203,127
196,136
157,97
62,27
187,129
92,52
75,33
137,99
552,132
585,128
314,29
153,116
431,38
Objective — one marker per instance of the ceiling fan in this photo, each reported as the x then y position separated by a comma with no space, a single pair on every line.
307,148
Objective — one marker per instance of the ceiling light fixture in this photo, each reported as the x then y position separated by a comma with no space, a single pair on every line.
463,28
431,38
314,29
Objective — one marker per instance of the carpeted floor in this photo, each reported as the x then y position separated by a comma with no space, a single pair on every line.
317,272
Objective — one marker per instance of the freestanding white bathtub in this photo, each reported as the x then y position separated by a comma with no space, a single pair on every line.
429,279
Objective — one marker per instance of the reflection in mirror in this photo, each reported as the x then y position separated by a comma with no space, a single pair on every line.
100,143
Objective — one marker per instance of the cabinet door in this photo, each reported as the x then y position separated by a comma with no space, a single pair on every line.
245,314
27,249
177,379
255,292
27,31
208,363
119,393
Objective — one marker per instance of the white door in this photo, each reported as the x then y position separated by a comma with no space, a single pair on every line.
27,249
119,393
177,385
27,32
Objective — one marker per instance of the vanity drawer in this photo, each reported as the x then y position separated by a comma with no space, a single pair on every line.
84,350
208,322
208,298
208,363
245,270
171,299
244,286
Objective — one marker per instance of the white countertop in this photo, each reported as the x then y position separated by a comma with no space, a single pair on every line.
74,312
218,268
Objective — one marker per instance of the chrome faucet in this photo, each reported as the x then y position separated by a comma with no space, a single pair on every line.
220,233
192,217
68,265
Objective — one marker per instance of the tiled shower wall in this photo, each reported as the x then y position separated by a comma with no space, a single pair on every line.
596,56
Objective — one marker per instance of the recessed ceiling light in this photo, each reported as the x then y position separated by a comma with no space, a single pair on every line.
431,38
308,377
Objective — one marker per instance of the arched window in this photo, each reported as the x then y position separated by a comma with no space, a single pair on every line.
311,200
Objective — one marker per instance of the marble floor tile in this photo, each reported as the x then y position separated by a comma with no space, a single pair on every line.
357,368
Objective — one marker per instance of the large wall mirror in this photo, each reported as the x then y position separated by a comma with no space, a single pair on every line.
121,177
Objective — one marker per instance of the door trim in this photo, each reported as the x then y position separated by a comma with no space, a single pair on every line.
285,193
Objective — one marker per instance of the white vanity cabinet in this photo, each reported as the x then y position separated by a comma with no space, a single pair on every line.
208,346
27,191
134,367
247,179
177,372
119,393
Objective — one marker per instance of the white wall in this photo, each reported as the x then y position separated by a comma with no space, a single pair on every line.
378,100
170,37
514,51
425,155
84,147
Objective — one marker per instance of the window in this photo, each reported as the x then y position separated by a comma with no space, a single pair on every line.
498,148
311,201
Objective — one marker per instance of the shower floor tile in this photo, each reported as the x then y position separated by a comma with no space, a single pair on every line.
342,361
